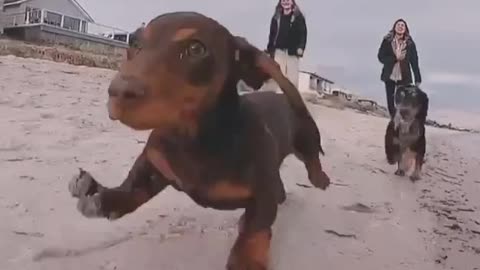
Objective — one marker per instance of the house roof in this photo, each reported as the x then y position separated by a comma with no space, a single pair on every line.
317,76
74,2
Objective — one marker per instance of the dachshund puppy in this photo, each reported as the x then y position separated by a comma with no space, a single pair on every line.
405,134
222,149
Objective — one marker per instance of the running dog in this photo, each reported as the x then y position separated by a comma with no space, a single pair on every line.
405,134
222,149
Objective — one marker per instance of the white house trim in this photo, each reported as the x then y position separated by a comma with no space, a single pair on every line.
74,2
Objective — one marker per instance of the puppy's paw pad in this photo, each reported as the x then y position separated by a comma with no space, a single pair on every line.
90,206
391,161
415,178
80,184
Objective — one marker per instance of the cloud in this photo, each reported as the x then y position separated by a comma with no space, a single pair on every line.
345,35
453,79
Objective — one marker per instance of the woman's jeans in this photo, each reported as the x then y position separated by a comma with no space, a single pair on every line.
390,87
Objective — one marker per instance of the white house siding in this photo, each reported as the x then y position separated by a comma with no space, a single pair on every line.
304,82
64,7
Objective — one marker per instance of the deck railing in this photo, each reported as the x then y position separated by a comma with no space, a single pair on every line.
34,16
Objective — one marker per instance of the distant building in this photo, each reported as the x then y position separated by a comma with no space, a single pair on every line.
1,17
310,81
63,22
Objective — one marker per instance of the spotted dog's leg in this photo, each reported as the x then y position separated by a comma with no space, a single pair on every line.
420,149
97,201
391,142
401,164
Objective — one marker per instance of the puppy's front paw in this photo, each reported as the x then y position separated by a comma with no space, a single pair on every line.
90,206
400,172
238,261
82,184
245,266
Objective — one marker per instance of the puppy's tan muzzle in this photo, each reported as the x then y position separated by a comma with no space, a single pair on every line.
123,90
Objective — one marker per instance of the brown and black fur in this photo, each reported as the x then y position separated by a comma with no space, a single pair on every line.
405,132
222,149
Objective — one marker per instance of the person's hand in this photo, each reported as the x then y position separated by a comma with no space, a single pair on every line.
401,55
300,52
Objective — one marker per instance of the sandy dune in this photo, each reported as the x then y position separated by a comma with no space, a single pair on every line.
54,120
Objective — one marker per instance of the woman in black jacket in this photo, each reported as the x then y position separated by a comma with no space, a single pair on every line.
287,38
398,54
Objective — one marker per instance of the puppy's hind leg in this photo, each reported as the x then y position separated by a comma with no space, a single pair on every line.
280,189
318,178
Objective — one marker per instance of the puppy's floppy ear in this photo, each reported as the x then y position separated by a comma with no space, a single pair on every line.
245,62
255,67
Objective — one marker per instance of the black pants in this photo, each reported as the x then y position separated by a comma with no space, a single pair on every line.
390,87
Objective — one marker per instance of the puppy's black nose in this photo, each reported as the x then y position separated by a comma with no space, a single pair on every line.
126,87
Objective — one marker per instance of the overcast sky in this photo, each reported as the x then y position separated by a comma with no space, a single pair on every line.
344,36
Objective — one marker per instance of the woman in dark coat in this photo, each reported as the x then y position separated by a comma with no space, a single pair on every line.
287,38
398,54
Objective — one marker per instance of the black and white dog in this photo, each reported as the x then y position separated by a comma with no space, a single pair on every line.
405,134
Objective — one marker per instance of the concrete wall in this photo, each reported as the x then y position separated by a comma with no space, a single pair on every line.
50,35
59,54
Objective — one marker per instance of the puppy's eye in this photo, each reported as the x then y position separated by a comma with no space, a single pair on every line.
194,49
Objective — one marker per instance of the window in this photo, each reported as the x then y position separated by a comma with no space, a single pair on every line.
71,23
83,28
53,18
313,83
34,15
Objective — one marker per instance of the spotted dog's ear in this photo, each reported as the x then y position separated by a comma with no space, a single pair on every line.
422,114
255,67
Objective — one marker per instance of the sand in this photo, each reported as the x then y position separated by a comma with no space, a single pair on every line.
54,120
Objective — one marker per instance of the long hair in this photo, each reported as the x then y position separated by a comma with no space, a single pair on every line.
407,30
279,8
391,33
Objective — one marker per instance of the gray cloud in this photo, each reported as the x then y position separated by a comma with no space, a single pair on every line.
344,36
